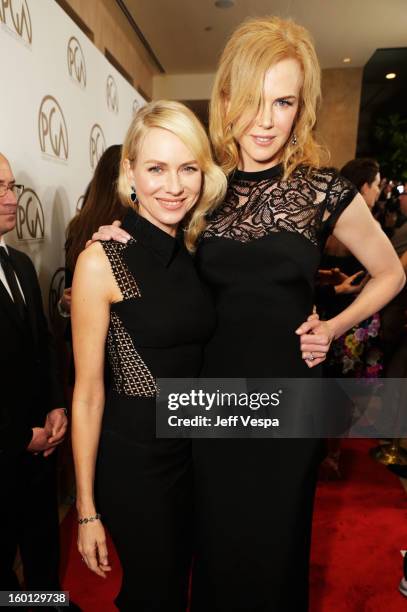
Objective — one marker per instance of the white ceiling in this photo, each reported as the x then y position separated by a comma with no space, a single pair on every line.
175,29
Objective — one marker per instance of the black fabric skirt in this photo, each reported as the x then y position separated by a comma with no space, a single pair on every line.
254,503
144,493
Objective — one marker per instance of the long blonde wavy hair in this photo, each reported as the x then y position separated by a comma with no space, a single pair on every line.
181,121
254,47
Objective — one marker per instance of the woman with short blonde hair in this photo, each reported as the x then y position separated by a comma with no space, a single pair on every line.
143,303
180,120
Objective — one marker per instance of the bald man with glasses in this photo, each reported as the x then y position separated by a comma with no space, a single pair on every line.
33,420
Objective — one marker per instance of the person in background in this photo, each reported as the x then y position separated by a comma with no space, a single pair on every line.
380,210
33,419
358,352
364,173
101,204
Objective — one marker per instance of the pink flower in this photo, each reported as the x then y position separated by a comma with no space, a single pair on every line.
361,334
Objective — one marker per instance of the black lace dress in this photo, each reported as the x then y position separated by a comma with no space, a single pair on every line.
254,497
144,484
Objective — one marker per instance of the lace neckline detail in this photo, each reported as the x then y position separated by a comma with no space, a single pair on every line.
261,203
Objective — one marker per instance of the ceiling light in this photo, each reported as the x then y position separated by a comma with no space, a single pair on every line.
224,3
391,75
346,60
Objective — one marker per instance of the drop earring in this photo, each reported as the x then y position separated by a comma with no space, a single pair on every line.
294,139
133,195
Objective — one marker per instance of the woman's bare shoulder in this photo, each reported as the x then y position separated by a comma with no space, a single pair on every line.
93,259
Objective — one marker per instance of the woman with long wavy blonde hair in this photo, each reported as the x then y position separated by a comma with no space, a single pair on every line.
259,251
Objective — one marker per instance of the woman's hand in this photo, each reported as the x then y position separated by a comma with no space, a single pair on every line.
110,232
341,281
92,547
348,287
316,337
333,276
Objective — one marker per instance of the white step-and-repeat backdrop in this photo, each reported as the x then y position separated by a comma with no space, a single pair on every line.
61,104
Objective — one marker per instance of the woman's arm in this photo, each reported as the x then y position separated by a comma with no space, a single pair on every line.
361,234
91,298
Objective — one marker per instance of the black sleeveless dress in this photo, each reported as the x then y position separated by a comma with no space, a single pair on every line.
254,497
143,484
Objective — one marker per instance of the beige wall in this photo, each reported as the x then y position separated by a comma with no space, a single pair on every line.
112,31
183,86
339,114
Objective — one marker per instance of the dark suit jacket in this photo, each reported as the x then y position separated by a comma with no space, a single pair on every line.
30,385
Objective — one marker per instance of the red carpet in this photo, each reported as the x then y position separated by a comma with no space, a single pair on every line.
360,525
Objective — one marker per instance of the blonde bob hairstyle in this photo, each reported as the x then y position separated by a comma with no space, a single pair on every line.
254,47
181,121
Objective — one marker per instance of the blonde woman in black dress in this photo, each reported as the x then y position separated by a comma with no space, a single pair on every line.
144,302
259,253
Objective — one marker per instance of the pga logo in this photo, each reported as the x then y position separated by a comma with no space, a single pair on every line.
112,96
97,145
52,129
30,222
76,62
15,15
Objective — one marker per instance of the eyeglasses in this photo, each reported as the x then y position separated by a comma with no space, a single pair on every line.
16,189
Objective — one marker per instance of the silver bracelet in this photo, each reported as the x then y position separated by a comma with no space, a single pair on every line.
90,519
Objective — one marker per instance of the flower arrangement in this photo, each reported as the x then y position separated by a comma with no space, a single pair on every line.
357,352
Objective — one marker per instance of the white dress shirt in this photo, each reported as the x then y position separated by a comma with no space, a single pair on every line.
2,275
